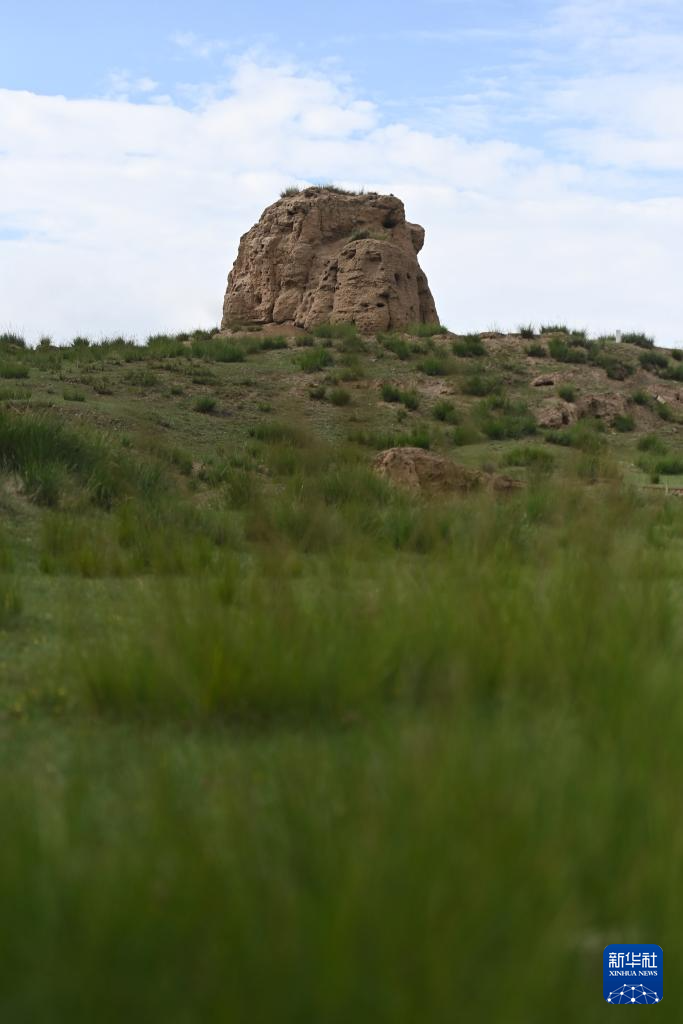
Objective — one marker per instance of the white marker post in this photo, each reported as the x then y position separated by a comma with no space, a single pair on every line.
618,335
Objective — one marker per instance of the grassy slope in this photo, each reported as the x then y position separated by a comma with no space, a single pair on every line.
281,743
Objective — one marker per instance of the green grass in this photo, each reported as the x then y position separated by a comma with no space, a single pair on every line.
280,740
399,346
652,360
567,392
481,384
342,332
390,393
470,346
10,340
624,424
445,411
340,396
205,404
530,457
436,365
13,371
637,338
671,465
652,443
502,419
426,330
314,360
565,352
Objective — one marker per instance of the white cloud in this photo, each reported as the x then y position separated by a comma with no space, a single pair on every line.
126,216
123,85
198,46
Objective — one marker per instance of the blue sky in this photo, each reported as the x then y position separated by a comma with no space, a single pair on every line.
541,144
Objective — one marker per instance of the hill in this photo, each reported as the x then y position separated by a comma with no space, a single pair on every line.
285,738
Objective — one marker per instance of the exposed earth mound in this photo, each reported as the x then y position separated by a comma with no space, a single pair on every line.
322,255
418,470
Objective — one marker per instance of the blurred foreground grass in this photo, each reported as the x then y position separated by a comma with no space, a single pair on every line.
299,747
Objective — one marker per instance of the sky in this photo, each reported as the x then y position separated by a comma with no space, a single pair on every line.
539,143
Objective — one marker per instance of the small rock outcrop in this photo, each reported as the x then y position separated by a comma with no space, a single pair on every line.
417,470
602,407
554,414
322,255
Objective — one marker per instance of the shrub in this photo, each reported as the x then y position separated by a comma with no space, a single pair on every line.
419,437
564,353
554,329
166,346
624,424
464,435
502,419
586,436
672,465
426,330
71,395
273,343
641,397
470,346
342,332
279,433
339,396
291,190
205,404
9,339
673,372
567,392
445,411
390,393
527,331
538,459
219,350
636,338
652,443
481,384
399,346
652,360
436,366
677,354
615,368
318,393
536,351
664,411
330,187
315,360
13,371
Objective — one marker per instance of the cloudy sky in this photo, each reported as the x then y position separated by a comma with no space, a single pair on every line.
540,143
